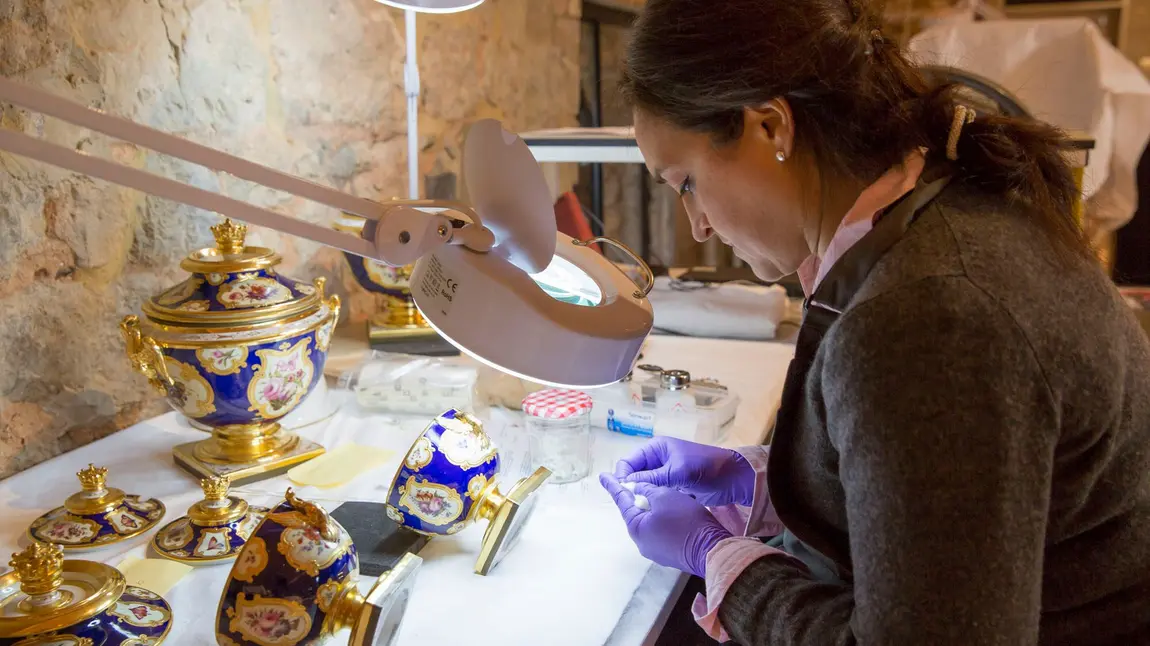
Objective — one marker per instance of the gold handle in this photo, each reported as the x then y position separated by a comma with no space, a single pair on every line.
315,516
650,275
332,302
145,355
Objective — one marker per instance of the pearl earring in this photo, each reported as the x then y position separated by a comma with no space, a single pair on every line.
781,156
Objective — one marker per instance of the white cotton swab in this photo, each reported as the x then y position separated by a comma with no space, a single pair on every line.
640,501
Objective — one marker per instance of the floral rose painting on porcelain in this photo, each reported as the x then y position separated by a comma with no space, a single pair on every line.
282,380
253,292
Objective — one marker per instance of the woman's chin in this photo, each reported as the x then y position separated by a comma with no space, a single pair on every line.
767,272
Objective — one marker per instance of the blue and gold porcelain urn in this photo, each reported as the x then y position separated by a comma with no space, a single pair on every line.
96,516
295,584
448,479
235,347
400,318
48,601
214,530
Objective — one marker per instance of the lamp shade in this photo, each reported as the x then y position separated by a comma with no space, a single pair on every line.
539,305
433,6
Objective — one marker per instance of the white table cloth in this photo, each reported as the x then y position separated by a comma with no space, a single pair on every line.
574,578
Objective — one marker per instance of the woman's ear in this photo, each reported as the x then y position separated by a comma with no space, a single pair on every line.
771,125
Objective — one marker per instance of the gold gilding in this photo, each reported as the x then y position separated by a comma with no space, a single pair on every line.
93,497
217,508
32,601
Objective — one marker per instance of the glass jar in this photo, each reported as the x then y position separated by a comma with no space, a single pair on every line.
559,433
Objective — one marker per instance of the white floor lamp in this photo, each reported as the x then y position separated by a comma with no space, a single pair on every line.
411,74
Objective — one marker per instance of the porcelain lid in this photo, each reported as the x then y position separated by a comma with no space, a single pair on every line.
45,593
217,508
231,284
94,497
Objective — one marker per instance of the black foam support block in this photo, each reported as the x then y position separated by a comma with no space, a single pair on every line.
379,540
434,346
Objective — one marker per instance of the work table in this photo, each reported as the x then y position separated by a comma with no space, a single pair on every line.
574,577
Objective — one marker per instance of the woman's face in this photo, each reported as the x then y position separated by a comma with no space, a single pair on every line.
738,191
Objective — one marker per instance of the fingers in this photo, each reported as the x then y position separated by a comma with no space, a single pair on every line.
660,477
624,499
621,495
623,468
647,489
651,455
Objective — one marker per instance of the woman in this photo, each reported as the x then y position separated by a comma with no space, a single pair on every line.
962,453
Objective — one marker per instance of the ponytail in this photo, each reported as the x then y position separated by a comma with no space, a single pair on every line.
1023,159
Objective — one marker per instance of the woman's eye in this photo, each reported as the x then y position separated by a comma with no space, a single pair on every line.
686,187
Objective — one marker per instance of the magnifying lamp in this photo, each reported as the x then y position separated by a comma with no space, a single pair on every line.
494,278
411,84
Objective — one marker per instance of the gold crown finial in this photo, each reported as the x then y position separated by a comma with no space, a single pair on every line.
92,478
229,236
40,568
215,488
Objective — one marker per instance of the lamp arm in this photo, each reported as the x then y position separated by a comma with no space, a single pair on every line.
403,231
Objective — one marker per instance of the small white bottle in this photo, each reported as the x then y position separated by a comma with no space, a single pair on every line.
675,412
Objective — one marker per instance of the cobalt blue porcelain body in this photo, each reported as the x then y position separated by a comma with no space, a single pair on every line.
246,383
240,343
287,579
444,476
380,278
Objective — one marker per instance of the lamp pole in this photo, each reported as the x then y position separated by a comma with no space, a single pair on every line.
411,88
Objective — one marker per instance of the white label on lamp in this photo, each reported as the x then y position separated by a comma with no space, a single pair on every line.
438,286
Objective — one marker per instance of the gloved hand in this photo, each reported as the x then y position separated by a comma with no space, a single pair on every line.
677,531
714,476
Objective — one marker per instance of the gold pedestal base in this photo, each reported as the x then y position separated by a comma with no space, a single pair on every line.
198,459
380,328
512,513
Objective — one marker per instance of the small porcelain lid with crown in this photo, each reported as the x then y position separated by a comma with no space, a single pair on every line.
232,284
213,531
97,515
45,593
557,403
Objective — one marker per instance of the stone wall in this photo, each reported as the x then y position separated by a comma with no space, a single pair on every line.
313,88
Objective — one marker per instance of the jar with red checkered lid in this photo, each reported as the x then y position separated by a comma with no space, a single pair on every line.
559,432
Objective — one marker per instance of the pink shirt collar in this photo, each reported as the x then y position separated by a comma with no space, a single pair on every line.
860,219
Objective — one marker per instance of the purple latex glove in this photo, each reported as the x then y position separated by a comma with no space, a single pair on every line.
714,476
677,531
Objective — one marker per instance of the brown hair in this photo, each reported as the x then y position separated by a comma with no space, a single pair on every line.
859,105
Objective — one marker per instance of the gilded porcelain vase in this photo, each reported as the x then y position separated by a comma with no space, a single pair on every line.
294,584
235,347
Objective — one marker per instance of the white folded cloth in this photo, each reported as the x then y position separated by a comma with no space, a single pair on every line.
725,310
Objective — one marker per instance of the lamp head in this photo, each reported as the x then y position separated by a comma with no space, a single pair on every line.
433,6
537,305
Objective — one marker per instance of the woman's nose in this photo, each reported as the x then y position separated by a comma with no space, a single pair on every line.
701,229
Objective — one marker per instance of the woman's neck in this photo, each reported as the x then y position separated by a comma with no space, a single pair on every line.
837,197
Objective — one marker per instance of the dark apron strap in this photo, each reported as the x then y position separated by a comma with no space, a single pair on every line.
821,310
838,287
848,273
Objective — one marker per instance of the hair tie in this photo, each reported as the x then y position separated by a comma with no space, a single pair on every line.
875,40
962,116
